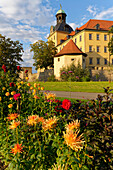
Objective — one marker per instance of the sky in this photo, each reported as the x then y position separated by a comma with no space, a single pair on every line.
30,20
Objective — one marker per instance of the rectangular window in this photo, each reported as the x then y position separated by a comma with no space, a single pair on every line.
80,38
105,61
97,36
105,37
98,49
90,48
105,49
58,59
90,61
90,36
72,59
98,60
81,48
112,61
75,40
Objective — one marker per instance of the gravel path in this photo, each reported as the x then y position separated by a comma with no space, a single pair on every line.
77,95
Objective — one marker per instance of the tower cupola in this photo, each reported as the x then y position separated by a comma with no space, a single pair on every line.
61,15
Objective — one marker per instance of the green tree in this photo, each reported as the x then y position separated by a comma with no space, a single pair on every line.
44,53
10,53
110,44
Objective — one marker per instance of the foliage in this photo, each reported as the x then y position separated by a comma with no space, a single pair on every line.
43,54
52,78
10,53
39,132
73,73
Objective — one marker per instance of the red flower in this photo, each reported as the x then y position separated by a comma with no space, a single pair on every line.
4,67
16,96
66,104
26,71
5,70
18,68
11,84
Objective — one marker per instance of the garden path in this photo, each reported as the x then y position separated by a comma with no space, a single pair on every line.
77,95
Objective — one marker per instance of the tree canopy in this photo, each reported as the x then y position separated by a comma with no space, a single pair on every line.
44,53
110,44
10,53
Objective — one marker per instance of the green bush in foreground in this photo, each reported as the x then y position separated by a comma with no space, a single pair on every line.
39,132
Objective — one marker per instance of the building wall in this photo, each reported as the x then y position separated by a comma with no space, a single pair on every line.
66,60
85,43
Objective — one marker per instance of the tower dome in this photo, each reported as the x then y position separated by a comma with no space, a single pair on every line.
61,15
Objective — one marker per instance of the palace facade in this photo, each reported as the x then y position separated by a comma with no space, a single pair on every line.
87,44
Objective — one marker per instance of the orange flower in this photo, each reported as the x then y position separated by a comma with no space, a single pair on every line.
3,88
7,93
49,123
13,92
36,97
0,98
41,119
50,96
12,116
73,125
32,120
14,124
73,140
39,88
31,88
10,105
17,148
22,82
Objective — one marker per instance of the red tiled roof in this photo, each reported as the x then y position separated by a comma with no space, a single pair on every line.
72,33
70,48
104,24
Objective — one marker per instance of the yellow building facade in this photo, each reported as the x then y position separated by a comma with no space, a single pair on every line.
92,38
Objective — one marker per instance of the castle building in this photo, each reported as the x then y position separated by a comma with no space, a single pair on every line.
91,39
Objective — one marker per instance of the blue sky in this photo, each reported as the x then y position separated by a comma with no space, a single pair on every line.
30,20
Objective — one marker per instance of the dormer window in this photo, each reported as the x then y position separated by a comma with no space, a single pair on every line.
111,27
97,26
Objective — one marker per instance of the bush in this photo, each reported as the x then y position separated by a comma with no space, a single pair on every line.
73,73
52,78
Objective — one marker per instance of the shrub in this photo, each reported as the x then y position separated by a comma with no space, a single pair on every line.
52,78
73,73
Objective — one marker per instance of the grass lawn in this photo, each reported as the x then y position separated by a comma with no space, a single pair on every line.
95,87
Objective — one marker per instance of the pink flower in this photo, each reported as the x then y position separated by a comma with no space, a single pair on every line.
66,104
16,96
70,72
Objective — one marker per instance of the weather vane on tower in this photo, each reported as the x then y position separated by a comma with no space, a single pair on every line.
60,6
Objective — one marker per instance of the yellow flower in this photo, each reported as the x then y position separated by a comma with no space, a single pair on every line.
0,98
22,82
49,123
13,92
3,88
10,105
73,125
73,140
27,78
42,88
35,85
28,84
7,93
14,124
11,98
50,96
19,87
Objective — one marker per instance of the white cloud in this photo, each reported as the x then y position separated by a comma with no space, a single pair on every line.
73,25
92,10
106,14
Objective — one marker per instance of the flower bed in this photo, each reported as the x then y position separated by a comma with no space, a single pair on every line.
40,132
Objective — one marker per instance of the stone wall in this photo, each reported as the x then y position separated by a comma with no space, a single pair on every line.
102,75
